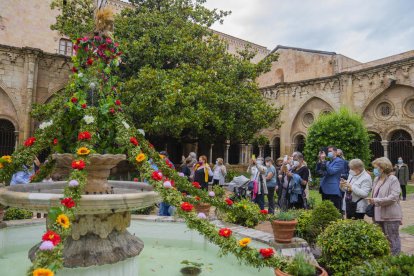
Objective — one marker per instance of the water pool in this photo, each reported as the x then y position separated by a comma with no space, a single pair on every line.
166,245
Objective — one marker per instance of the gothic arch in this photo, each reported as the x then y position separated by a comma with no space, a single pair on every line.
12,120
6,90
52,92
327,101
390,131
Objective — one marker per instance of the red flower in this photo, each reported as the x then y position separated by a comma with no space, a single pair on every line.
68,202
74,70
108,40
169,164
85,135
118,102
264,212
196,185
266,252
30,141
187,207
184,194
51,236
157,175
151,145
135,179
84,105
134,141
229,201
74,100
78,165
111,110
55,141
89,61
225,232
197,198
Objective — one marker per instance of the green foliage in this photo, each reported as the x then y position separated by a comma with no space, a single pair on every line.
286,215
299,266
389,266
244,213
311,223
260,140
347,243
343,129
16,214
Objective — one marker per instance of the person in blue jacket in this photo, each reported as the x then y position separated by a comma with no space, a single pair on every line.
332,177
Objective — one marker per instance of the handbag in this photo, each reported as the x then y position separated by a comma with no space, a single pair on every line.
370,210
351,207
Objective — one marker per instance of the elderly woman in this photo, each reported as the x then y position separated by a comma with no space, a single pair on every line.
385,197
257,172
356,188
219,172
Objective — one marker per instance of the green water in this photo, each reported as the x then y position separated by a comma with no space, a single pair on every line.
166,245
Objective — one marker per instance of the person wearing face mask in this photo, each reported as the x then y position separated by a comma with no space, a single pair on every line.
202,172
401,172
219,172
258,180
385,197
356,188
331,176
271,184
299,177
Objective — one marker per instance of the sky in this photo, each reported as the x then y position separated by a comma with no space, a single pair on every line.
364,30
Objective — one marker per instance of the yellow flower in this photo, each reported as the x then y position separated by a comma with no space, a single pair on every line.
7,158
140,157
83,151
1,165
43,272
244,242
63,220
162,156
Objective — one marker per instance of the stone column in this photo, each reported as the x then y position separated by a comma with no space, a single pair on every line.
211,153
272,152
31,80
385,144
226,152
249,153
16,137
261,153
241,155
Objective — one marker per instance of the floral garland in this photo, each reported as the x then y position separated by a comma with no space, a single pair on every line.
99,113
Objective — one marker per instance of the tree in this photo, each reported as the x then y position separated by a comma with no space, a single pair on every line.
342,129
179,79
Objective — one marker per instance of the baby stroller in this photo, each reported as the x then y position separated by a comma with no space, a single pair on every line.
239,186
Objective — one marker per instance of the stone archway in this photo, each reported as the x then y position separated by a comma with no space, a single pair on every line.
7,137
299,143
377,150
276,148
401,145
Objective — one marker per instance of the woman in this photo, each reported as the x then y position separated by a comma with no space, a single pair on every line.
271,184
385,197
297,197
258,178
219,172
202,172
401,172
356,188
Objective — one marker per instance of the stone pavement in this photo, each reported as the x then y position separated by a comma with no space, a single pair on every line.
407,241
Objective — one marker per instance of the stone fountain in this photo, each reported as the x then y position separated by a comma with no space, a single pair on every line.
99,232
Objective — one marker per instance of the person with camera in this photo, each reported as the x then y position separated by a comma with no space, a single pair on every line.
298,176
356,188
331,175
257,172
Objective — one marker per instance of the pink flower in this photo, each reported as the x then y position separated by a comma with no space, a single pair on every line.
181,174
201,216
167,185
73,183
211,193
46,245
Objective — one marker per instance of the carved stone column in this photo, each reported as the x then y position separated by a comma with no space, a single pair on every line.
30,70
226,152
210,157
241,155
272,152
261,153
385,144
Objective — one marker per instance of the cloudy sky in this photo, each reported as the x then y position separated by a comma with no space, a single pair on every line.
361,29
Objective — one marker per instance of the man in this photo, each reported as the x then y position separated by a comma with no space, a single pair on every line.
332,178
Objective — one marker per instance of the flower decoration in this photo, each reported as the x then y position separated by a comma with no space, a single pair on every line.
46,124
74,100
229,201
133,141
68,202
43,272
167,184
46,245
211,194
187,207
135,179
181,174
73,183
126,125
78,165
83,151
118,102
84,105
88,119
201,216
29,141
63,221
196,185
85,135
266,252
140,157
7,158
197,198
244,242
169,164
141,131
89,61
51,236
225,232
156,175
55,141
264,212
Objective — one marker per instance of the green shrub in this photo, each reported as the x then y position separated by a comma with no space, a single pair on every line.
342,129
286,215
389,266
347,243
245,213
16,214
299,266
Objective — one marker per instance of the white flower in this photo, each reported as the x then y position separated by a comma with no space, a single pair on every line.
88,119
125,124
141,131
80,75
92,85
46,124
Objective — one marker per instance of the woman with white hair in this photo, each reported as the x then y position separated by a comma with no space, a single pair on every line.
356,188
257,171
